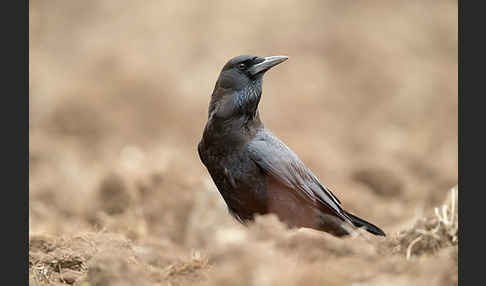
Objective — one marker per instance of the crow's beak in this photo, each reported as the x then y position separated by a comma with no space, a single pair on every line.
267,64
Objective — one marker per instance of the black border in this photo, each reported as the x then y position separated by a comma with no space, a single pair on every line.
15,140
471,75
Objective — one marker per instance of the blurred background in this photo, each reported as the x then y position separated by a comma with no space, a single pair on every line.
118,98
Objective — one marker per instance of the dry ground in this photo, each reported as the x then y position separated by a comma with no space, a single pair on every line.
118,100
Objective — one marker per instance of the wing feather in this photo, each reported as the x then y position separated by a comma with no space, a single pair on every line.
276,159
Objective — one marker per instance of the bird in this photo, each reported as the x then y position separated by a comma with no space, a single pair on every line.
253,170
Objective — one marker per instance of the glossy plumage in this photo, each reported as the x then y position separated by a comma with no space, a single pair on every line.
255,172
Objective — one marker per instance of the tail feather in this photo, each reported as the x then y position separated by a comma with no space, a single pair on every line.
358,222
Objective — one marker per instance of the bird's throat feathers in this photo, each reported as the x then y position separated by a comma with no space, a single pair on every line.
228,104
248,99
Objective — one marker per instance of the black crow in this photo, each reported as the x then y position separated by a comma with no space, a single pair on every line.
254,171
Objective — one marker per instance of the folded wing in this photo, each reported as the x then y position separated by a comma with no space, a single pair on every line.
277,160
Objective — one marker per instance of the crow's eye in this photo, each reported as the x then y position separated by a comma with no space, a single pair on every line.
242,66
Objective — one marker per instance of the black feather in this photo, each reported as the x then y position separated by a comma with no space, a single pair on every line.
358,222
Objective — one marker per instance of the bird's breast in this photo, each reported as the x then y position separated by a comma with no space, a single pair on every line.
238,179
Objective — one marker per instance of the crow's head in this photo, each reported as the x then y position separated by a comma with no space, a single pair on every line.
239,86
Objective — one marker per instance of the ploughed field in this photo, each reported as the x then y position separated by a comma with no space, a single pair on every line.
118,101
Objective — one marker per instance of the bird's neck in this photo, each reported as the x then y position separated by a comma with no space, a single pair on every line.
229,104
246,103
234,116
244,123
220,132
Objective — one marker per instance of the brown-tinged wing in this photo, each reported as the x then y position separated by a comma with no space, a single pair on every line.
278,161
